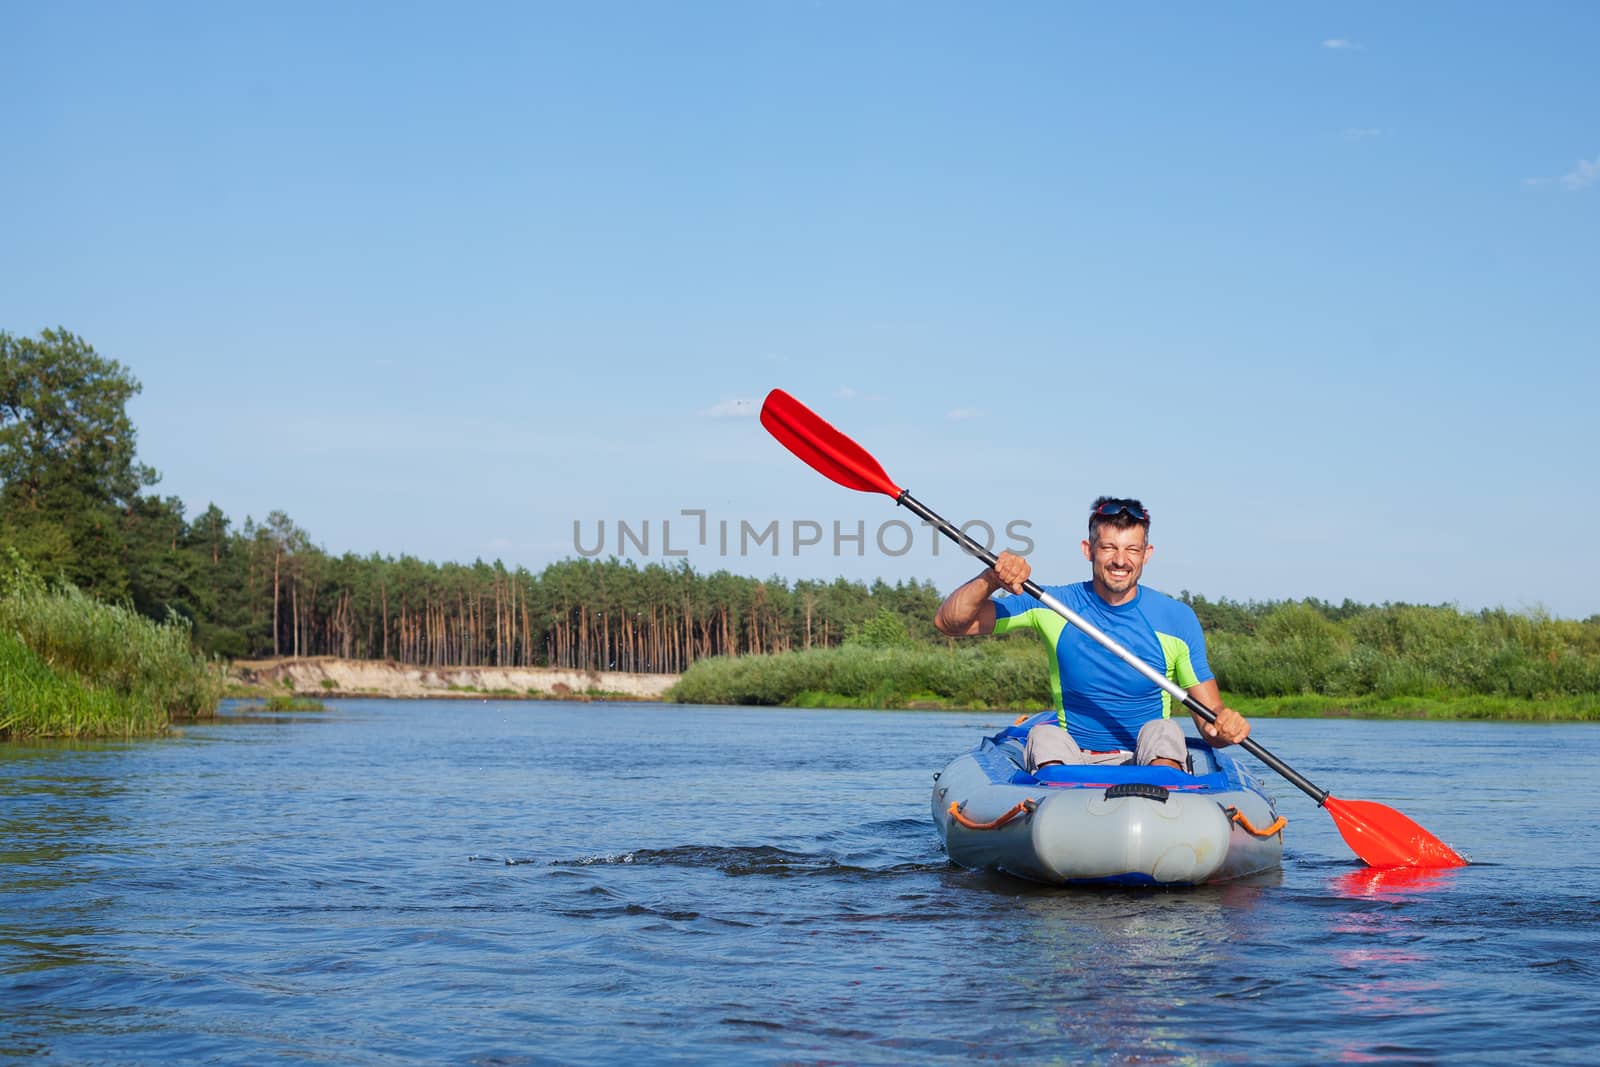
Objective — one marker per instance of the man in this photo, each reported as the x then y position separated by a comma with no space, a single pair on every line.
1106,713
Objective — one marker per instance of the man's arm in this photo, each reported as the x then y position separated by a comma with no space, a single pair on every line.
1231,727
968,612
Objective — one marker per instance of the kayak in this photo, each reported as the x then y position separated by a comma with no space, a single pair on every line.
1115,825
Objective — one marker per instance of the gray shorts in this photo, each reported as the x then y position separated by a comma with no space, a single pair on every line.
1158,739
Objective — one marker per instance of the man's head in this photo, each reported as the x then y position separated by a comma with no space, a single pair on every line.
1118,511
1117,547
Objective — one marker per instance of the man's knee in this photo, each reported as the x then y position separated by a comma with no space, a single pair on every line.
1162,739
1049,743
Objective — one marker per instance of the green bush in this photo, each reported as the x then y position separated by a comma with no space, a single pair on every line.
886,629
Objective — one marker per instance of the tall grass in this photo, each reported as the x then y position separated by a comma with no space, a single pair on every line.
979,675
36,701
71,666
1409,651
1291,657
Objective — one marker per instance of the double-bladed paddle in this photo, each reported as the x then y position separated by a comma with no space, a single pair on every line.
1381,836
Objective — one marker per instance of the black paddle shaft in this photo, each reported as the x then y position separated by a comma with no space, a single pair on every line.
1033,588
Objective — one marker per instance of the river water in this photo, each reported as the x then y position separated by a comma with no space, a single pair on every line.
528,882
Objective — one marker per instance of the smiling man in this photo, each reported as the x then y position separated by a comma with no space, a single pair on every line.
1106,713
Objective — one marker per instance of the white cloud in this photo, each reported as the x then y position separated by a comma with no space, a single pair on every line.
965,413
738,407
1585,174
846,393
1362,133
1340,44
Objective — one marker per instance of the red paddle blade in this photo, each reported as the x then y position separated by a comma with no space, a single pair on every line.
1383,837
826,450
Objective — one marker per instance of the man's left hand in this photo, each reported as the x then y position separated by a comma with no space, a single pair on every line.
1229,729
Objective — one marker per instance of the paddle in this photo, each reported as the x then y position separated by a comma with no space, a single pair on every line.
1381,836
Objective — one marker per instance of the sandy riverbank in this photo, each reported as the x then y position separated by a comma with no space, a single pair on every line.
331,676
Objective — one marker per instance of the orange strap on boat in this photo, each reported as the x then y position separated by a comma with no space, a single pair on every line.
1020,719
1024,808
1239,817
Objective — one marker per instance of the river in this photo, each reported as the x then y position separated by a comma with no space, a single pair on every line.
508,883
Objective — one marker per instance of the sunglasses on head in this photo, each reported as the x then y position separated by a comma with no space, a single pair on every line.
1113,508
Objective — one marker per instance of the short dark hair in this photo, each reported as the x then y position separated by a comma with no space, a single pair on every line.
1123,512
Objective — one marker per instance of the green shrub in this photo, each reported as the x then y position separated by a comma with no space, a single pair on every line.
886,629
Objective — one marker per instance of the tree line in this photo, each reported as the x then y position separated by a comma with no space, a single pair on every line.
76,504
266,590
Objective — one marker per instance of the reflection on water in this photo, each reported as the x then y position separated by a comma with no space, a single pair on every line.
1386,971
57,827
1390,883
1119,972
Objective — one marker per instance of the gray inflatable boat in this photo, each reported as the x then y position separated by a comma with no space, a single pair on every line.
1119,825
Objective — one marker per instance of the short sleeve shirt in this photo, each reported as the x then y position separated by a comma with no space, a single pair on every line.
1100,700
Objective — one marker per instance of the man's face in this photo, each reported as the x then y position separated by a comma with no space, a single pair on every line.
1118,557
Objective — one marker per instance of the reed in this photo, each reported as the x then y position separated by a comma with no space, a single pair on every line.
290,703
1578,708
1287,658
1409,651
71,666
37,701
982,675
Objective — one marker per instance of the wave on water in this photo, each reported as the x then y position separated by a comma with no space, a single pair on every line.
878,847
769,860
743,860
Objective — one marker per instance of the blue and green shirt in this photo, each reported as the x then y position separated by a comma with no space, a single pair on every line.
1100,700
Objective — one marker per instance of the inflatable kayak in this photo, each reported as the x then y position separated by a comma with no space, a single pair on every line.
1124,825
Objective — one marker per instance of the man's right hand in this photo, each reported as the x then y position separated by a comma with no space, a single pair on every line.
1009,572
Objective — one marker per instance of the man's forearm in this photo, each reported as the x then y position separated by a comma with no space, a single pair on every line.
961,613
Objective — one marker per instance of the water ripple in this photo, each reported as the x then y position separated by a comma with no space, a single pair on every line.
739,861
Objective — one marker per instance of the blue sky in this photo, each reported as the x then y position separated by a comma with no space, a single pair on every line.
1315,281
